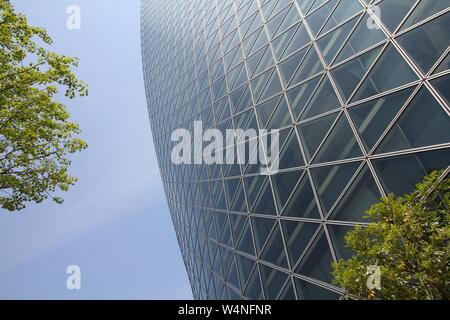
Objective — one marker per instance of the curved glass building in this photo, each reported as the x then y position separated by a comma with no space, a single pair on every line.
360,91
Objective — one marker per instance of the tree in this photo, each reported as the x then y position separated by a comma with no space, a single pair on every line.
409,240
36,135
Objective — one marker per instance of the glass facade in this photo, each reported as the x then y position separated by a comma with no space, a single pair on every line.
360,90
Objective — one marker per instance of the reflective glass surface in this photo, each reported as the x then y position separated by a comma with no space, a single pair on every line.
363,108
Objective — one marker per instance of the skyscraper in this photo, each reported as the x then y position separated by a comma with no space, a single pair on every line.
360,91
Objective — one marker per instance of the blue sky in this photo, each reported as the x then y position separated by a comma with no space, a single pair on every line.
115,223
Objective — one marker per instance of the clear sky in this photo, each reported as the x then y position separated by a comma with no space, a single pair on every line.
115,223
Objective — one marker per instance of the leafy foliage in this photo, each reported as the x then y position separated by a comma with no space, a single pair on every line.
409,242
35,133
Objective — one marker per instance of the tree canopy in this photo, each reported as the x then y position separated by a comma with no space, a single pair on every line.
409,241
36,135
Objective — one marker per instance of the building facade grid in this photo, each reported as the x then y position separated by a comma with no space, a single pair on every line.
360,91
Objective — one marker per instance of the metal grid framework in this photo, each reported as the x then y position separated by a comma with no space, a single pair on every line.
361,95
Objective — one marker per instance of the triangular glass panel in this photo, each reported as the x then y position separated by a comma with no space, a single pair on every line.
253,186
254,290
247,43
249,25
237,225
266,61
254,60
340,144
290,65
207,199
226,235
206,260
216,173
423,123
292,17
235,97
283,185
211,289
317,4
246,242
361,195
259,83
251,123
217,89
274,250
279,44
273,86
309,291
265,203
390,71
221,202
265,110
297,236
239,204
232,295
313,132
217,267
269,8
427,43
226,111
399,175
373,117
392,12
344,10
229,39
261,40
318,260
350,74
302,204
297,41
444,65
246,100
207,217
274,23
442,85
245,267
305,6
288,292
232,277
213,54
261,229
241,120
362,38
331,181
220,218
229,59
254,166
233,169
281,116
290,155
273,281
324,100
300,95
227,258
337,235
317,19
240,77
245,10
332,42
425,9
310,66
